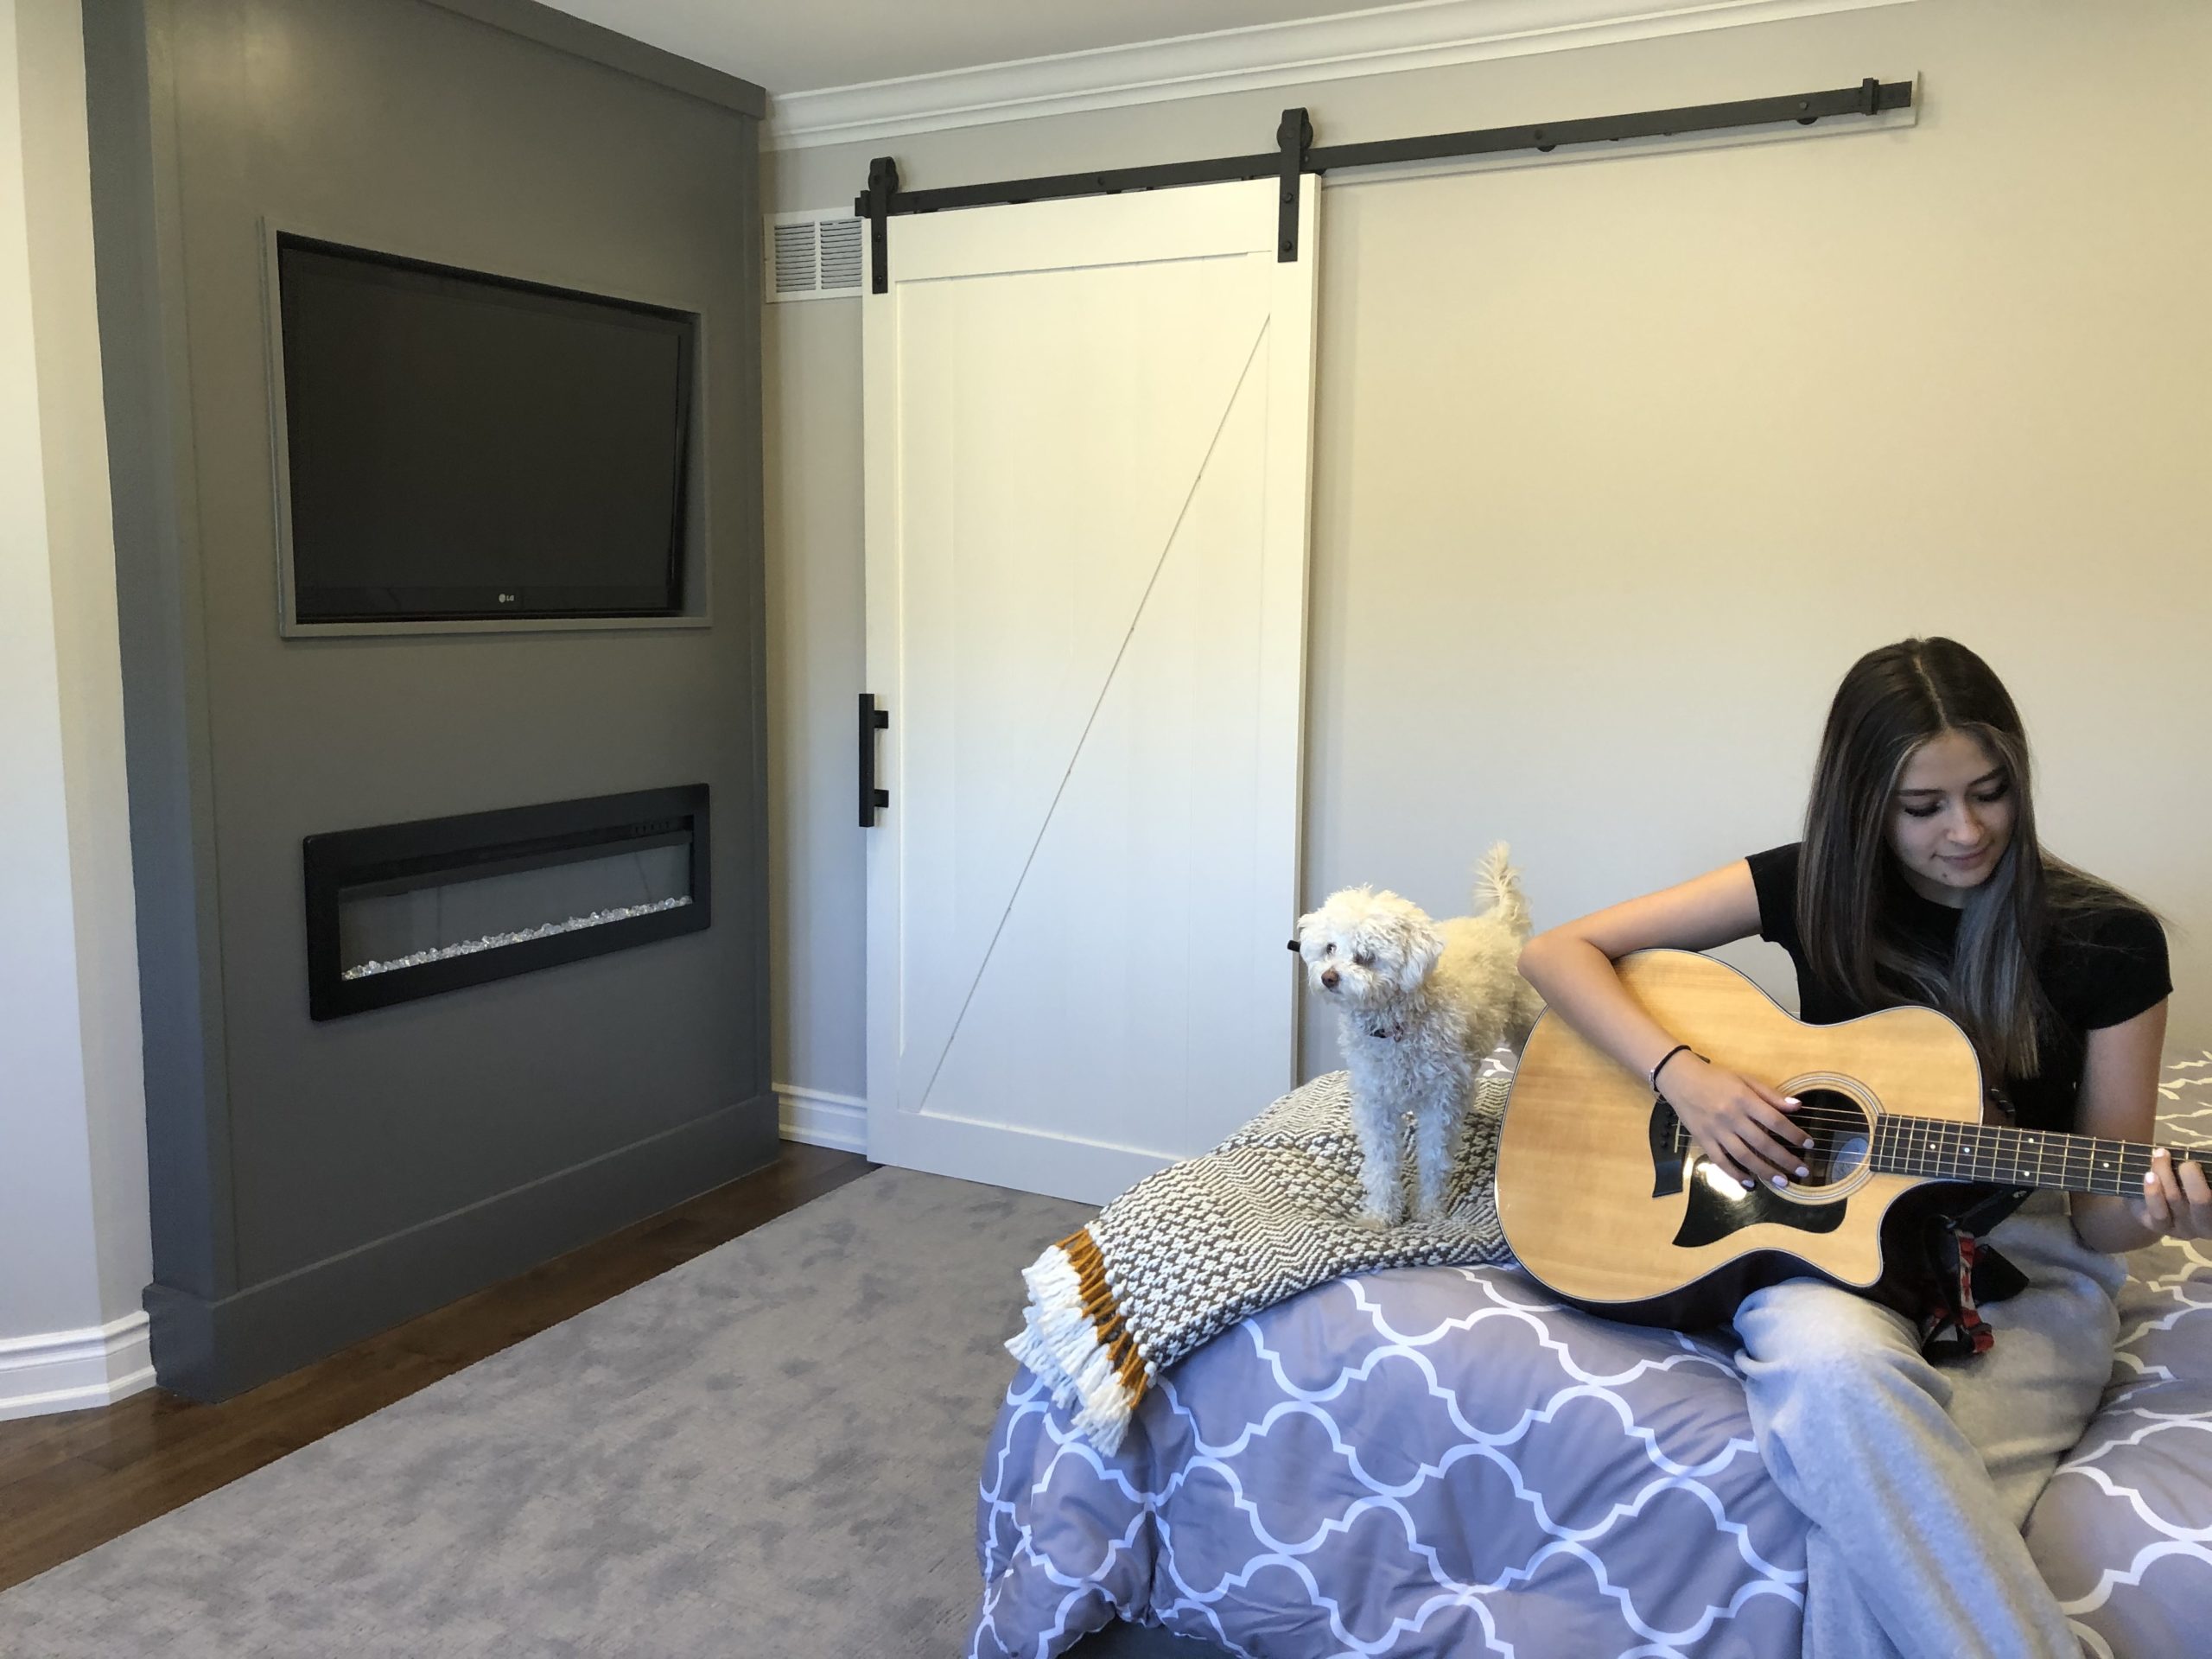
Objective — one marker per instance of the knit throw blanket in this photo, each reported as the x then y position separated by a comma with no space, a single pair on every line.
1185,1253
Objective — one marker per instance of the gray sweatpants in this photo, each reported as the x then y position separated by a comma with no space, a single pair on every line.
1918,1478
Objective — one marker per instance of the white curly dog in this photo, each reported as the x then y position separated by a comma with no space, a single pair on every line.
1419,1004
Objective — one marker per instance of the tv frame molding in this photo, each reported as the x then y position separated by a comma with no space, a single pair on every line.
698,612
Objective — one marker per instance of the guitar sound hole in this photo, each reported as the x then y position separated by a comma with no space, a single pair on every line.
1838,1126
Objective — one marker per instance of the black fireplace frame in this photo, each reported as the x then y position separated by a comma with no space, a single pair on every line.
486,843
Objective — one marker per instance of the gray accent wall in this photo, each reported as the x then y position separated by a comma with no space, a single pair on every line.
311,1182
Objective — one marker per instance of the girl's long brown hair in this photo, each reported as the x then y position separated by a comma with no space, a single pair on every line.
1849,886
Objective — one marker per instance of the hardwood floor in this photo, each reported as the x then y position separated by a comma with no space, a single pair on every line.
72,1481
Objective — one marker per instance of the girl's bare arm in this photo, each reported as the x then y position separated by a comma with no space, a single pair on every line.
1742,1124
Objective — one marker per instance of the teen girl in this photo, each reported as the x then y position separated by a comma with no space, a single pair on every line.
1920,879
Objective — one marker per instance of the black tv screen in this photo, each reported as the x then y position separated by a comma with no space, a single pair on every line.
464,446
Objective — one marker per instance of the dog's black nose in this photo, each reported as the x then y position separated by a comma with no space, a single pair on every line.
1329,978
1294,944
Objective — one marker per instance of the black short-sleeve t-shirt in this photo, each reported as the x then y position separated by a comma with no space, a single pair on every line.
2098,970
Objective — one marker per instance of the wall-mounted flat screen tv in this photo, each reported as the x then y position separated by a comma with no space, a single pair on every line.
462,446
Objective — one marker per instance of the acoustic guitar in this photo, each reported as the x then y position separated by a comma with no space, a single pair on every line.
1606,1200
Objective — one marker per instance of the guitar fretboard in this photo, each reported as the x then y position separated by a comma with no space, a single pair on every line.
1950,1151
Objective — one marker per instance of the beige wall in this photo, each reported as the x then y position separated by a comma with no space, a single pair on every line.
74,1248
1621,461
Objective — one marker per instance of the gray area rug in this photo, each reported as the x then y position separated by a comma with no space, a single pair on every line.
770,1450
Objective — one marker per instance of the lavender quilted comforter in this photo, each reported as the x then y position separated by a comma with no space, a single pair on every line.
1441,1459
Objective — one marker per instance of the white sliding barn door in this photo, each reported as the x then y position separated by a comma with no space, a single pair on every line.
1088,428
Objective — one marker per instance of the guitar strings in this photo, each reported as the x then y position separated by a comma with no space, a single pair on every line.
1833,1118
1944,1153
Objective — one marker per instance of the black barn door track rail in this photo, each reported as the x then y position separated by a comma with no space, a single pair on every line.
1295,154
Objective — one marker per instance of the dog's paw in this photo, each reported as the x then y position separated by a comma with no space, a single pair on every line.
1379,1220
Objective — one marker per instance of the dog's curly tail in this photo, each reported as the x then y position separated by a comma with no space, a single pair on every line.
1499,883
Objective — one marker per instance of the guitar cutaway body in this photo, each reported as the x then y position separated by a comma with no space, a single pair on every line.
1605,1201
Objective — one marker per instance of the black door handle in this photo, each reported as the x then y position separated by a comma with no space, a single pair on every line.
873,720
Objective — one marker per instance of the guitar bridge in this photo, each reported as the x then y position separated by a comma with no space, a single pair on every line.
1668,1146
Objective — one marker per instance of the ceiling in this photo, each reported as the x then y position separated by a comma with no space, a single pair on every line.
790,48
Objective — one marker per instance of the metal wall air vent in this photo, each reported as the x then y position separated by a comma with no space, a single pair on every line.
812,256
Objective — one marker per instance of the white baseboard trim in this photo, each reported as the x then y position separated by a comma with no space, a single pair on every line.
74,1370
821,1120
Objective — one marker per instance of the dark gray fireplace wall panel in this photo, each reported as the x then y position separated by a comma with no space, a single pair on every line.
490,135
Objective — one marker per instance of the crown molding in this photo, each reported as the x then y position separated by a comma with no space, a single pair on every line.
1425,35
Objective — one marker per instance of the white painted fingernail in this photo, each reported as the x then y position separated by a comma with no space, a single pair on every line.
1781,1181
2158,1152
1809,1144
1749,1183
1793,1100
1802,1172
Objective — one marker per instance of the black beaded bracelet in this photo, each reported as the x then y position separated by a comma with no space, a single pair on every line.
1677,1049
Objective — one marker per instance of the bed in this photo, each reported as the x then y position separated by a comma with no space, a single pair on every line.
1443,1460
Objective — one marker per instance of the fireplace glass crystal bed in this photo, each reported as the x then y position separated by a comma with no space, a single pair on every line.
386,925
400,911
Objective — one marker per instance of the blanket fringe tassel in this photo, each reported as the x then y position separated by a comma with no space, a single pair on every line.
1073,1340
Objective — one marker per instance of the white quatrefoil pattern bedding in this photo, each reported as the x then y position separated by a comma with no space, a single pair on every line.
1443,1460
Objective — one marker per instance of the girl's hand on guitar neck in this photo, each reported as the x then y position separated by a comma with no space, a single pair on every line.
1741,1126
2176,1202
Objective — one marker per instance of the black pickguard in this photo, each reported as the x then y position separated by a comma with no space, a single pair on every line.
1710,1215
